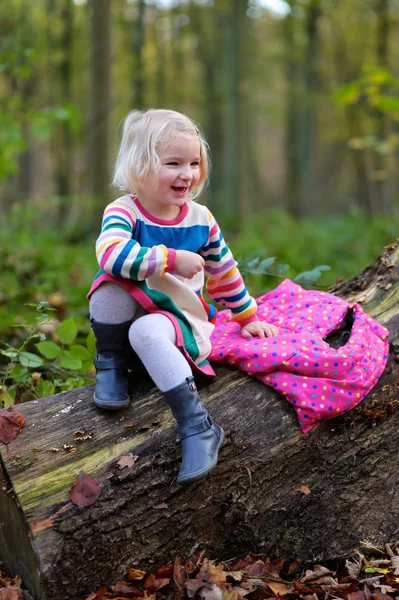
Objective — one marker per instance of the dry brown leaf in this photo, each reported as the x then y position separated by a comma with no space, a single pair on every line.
303,489
10,593
318,571
127,590
99,595
236,575
280,589
212,573
135,574
231,594
11,423
165,572
127,461
354,568
294,566
179,573
152,584
85,490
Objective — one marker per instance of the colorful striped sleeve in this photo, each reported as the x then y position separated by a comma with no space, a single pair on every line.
119,255
225,283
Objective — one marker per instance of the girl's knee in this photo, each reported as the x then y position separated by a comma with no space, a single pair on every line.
151,328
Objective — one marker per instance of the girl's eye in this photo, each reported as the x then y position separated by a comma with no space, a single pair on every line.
194,164
173,164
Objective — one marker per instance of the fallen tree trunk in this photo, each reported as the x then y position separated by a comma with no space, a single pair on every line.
274,490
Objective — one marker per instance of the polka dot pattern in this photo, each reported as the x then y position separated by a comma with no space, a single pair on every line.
319,381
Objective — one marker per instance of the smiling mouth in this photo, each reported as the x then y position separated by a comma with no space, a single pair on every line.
179,190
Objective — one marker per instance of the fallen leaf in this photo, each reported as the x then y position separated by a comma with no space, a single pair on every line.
179,573
166,571
354,568
152,584
127,590
385,588
376,570
236,575
294,566
319,571
85,490
9,593
99,595
127,461
11,423
280,589
303,489
135,574
211,573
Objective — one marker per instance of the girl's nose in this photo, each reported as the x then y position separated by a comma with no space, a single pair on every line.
185,173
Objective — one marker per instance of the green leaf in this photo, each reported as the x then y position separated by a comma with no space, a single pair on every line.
48,349
91,343
18,373
80,352
67,331
87,366
376,570
27,359
67,361
323,268
47,388
6,400
10,353
267,262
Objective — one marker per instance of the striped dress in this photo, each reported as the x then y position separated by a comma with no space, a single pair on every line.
138,251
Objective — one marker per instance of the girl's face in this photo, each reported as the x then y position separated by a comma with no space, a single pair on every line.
166,190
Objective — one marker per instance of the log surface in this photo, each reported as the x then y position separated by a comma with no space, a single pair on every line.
253,501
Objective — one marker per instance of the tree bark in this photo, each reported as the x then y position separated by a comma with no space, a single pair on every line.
250,502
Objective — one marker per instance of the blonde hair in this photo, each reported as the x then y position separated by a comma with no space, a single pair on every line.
143,132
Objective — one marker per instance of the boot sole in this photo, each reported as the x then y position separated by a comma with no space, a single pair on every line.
200,474
111,406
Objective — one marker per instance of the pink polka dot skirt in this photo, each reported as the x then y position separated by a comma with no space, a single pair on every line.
319,381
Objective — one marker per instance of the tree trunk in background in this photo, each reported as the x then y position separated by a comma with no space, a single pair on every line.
382,175
138,46
308,137
232,129
161,56
250,190
64,150
347,71
207,25
180,76
292,119
27,88
100,99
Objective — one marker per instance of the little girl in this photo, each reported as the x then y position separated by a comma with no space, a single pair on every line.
154,248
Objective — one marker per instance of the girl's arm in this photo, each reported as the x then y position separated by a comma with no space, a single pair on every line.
119,255
225,283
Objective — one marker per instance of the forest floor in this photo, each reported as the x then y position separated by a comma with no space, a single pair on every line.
371,574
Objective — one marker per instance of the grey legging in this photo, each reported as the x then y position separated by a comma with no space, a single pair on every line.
152,336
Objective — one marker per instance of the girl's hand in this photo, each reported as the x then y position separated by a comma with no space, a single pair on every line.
188,263
260,329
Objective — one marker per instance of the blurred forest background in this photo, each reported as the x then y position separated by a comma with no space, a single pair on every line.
299,100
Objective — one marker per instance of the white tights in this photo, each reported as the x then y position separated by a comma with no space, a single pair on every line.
152,336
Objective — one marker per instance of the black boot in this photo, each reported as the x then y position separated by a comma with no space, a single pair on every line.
111,363
200,436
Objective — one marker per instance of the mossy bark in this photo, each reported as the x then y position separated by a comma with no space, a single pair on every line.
251,502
